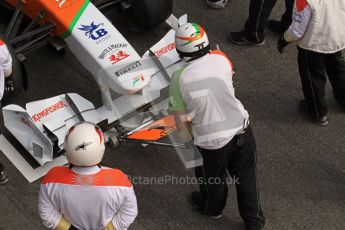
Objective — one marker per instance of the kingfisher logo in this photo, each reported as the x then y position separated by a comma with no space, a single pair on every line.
95,32
51,109
115,58
165,49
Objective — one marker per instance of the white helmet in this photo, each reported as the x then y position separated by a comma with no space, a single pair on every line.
191,41
84,144
217,3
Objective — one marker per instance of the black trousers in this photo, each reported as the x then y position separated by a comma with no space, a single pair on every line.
1,165
259,12
239,158
313,69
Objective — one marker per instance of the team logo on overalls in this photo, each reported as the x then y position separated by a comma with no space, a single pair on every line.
94,31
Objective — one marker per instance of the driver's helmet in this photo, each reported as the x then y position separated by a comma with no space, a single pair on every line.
191,41
84,144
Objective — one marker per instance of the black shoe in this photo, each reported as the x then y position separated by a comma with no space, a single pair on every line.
276,27
200,205
196,200
322,120
217,4
3,178
254,228
239,38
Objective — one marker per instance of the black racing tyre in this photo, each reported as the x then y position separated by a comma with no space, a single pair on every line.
145,14
18,75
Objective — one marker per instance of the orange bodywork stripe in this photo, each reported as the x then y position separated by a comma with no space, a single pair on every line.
63,17
2,42
105,177
156,130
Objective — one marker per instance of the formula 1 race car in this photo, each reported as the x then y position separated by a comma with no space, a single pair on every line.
134,89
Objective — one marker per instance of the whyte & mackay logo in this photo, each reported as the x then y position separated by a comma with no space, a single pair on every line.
111,49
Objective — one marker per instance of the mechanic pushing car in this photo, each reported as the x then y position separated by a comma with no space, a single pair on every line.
5,75
202,99
86,195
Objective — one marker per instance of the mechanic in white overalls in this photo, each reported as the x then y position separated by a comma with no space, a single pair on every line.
5,72
86,195
202,97
318,27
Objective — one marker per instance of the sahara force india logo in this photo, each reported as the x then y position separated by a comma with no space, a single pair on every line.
51,109
95,32
137,80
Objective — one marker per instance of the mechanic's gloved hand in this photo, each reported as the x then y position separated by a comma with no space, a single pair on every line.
63,224
110,226
185,136
281,44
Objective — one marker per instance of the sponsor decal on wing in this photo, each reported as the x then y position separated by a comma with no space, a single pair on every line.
165,49
128,68
112,49
51,109
119,56
138,79
65,3
95,32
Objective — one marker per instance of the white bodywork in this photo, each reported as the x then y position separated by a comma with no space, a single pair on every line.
127,82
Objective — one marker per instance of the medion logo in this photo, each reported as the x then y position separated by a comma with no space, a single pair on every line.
38,116
128,68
